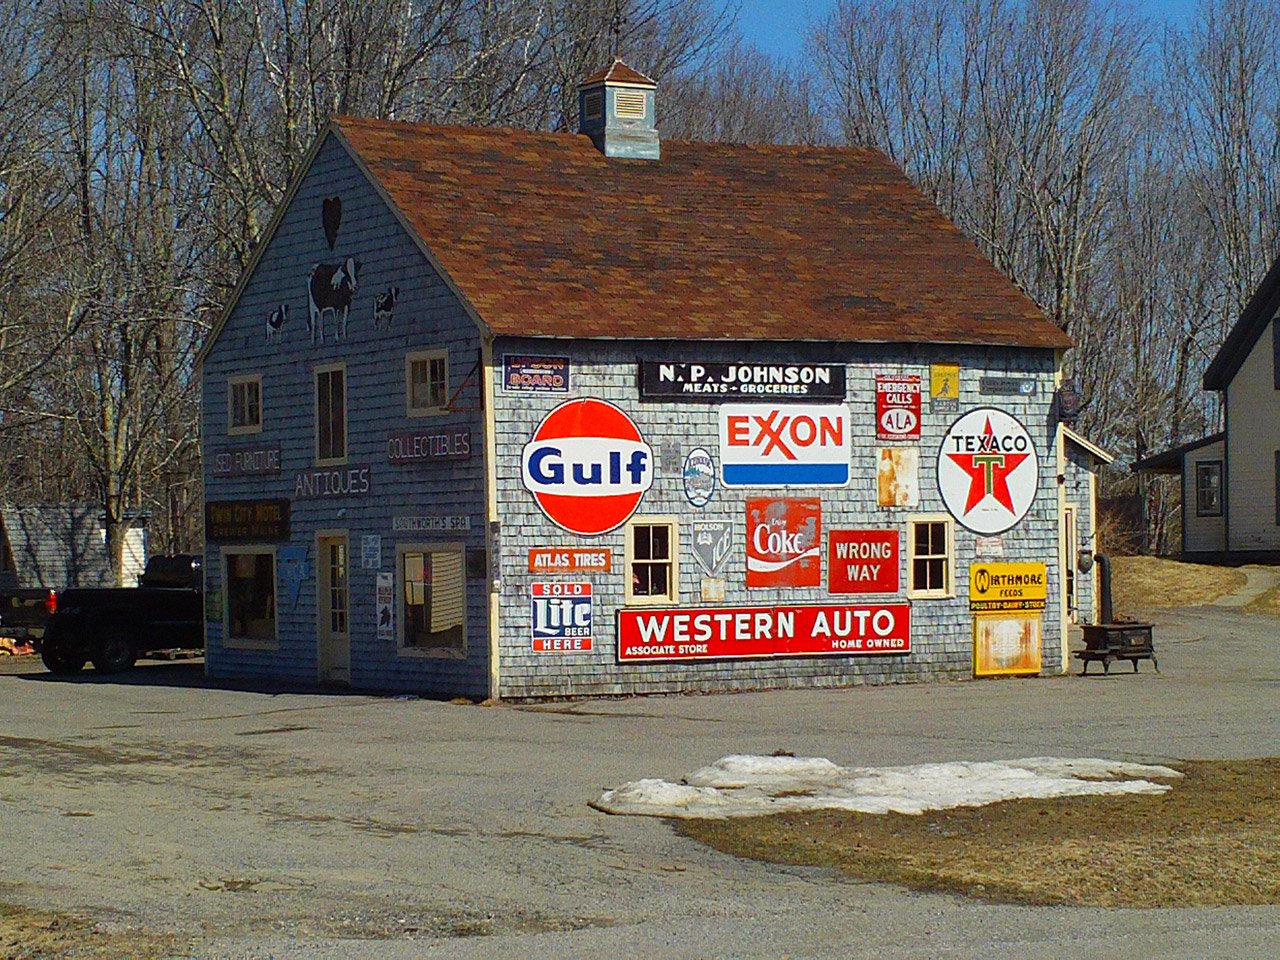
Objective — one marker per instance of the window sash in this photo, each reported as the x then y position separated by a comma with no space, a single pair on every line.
331,415
427,382
652,560
251,596
433,599
1209,488
930,568
245,405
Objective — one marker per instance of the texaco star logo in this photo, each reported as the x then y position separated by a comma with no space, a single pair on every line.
988,470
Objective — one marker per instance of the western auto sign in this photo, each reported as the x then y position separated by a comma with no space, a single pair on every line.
988,470
587,466
736,632
787,445
570,560
560,616
898,408
862,561
660,380
783,538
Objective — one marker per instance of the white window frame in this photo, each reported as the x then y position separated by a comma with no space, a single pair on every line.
425,356
249,643
234,430
949,588
346,419
403,649
672,596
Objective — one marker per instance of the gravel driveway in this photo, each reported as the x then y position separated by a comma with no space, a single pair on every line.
287,824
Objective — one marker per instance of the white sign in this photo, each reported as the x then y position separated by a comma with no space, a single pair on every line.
988,470
386,607
430,524
371,552
784,445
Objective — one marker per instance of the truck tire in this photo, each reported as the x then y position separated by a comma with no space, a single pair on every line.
114,652
58,661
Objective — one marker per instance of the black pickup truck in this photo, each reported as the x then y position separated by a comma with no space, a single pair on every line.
113,627
24,611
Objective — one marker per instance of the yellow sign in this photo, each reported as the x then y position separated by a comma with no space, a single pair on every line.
1007,586
1006,645
944,381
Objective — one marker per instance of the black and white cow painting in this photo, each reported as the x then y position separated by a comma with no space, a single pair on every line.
279,316
331,286
384,305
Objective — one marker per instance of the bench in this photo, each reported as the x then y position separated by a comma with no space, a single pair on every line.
1117,641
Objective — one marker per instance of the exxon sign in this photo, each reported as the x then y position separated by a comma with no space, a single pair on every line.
784,445
587,466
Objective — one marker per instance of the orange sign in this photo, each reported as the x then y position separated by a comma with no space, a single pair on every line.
570,560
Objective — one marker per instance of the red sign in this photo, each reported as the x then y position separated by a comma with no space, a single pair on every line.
783,542
560,616
897,408
733,632
570,560
862,561
587,466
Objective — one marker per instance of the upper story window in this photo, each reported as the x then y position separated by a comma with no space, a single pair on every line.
653,572
1209,488
244,405
331,414
426,380
930,557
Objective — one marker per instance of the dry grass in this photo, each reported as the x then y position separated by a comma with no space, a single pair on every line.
42,934
1143,582
1213,840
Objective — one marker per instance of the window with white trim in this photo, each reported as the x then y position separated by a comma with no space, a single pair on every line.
426,383
930,556
249,578
652,560
1208,488
331,414
244,405
433,598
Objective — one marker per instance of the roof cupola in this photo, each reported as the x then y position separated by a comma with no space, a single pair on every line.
616,107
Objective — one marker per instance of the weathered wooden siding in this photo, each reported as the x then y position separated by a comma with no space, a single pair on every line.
1201,534
427,315
1253,425
941,629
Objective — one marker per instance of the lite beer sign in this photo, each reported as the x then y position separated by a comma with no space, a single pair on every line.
783,538
898,407
988,470
561,617
787,445
788,631
587,466
862,561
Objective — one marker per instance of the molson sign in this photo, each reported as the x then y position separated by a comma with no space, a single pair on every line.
988,470
736,632
784,445
587,466
783,543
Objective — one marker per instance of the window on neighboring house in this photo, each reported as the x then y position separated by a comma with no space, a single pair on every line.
426,377
653,573
1209,488
331,414
249,574
1278,488
1275,352
930,557
433,598
244,405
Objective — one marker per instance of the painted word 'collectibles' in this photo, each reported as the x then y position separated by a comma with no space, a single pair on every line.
587,466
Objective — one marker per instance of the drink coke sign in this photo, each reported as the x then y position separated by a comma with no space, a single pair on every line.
788,445
587,466
898,408
783,539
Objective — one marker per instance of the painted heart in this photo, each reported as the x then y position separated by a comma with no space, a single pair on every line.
332,216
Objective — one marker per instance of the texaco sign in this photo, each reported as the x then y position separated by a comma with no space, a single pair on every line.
988,470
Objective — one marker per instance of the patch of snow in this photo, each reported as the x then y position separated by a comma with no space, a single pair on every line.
748,786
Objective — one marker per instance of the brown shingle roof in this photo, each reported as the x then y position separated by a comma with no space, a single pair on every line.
618,72
544,236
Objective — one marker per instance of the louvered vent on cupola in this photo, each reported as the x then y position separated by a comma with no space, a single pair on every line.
617,110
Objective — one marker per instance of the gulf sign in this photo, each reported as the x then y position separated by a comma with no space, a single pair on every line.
587,466
560,616
784,445
788,631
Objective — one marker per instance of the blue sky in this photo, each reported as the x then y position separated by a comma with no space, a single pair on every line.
775,26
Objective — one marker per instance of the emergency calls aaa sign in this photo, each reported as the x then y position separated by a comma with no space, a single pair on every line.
898,407
862,561
587,466
988,470
783,542
737,632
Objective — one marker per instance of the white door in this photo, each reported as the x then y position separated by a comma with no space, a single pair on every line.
1072,547
332,609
